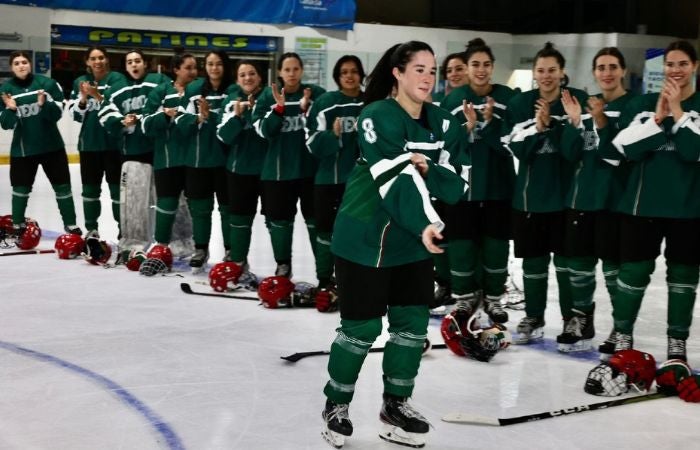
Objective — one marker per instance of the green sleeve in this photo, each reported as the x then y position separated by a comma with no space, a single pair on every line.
639,134
155,121
446,179
110,115
686,137
267,123
520,133
52,110
230,125
186,121
321,140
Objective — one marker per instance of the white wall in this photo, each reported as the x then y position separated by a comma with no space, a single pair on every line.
367,41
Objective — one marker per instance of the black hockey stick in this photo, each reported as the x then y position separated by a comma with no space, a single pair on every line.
27,252
465,418
297,356
187,289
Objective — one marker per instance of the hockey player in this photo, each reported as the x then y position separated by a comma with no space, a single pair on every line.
591,226
169,143
32,104
205,154
121,114
660,135
288,169
479,225
454,70
535,121
98,150
383,238
245,158
332,138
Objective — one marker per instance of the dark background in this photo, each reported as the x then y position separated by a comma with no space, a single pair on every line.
679,18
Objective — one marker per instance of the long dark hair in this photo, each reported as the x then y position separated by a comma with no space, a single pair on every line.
140,53
178,60
443,68
683,46
284,56
342,60
17,53
227,78
100,49
477,45
382,80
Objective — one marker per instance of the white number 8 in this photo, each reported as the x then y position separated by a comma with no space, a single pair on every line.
370,134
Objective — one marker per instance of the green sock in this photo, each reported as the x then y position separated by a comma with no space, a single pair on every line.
611,270
92,208
239,236
535,274
225,213
64,198
463,259
281,233
311,228
495,265
582,277
324,257
682,282
561,266
408,329
631,283
200,210
114,195
20,198
166,208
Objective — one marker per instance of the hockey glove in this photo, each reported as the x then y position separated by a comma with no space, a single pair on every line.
689,389
670,374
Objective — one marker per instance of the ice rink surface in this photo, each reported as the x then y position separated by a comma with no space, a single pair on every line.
94,358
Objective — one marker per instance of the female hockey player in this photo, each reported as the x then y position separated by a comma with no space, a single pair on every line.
535,122
169,143
206,155
383,239
98,150
121,114
245,158
591,225
288,169
32,104
660,135
332,138
454,70
479,225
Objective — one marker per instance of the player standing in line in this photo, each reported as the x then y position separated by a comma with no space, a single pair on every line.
99,151
331,131
169,143
479,225
534,125
206,154
245,158
32,104
454,70
288,169
591,225
660,135
383,238
121,114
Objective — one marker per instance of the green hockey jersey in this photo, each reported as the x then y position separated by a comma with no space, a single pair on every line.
287,157
248,149
34,127
543,174
664,178
387,203
493,172
336,155
204,149
129,97
93,137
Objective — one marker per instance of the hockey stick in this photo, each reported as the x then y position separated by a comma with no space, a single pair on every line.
27,252
297,356
465,418
187,289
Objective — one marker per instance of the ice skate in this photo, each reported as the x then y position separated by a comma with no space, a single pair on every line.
494,309
199,260
607,348
578,333
623,342
338,423
248,280
402,424
442,302
74,229
284,270
676,349
529,329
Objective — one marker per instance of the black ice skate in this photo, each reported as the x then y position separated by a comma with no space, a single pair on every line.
676,349
199,260
578,333
529,329
338,423
403,425
623,342
284,270
607,348
494,309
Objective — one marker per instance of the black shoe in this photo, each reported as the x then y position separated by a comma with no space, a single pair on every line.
336,417
676,349
200,258
397,412
74,229
494,309
284,270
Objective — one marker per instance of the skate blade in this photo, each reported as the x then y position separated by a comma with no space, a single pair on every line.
605,357
336,440
581,346
524,339
396,435
198,270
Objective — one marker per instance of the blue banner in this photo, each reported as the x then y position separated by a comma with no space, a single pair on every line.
110,37
338,14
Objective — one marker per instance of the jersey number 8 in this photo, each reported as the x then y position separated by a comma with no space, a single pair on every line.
370,134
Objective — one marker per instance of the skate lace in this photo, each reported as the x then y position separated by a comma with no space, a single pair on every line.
624,341
339,412
573,326
676,346
408,411
528,323
493,306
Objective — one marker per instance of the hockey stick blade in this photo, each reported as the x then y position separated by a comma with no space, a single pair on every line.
466,418
187,289
27,252
297,356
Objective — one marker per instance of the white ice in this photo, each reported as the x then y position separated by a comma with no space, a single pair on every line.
108,359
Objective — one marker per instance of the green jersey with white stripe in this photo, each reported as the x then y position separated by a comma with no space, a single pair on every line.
543,175
336,155
287,157
493,173
664,177
387,203
34,126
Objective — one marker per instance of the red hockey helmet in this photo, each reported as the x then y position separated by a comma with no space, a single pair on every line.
69,246
463,335
276,292
97,252
134,260
224,273
29,237
162,252
639,367
6,224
